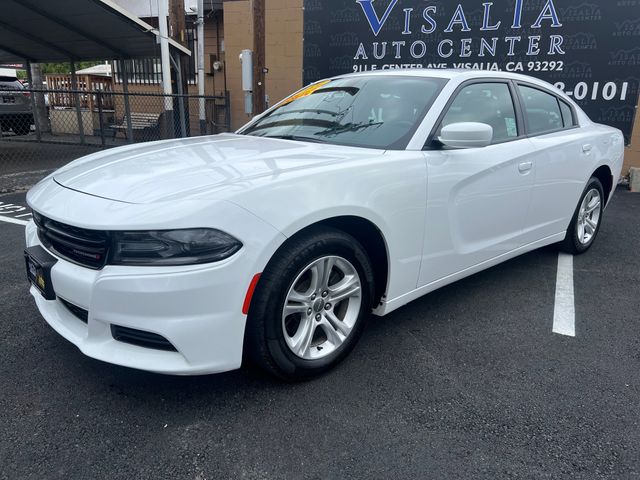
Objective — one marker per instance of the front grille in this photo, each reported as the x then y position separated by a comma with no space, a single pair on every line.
141,338
78,245
79,312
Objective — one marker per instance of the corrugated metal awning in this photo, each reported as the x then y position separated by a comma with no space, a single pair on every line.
64,30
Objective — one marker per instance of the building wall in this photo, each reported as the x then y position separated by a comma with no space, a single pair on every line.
284,20
632,153
283,25
214,82
237,28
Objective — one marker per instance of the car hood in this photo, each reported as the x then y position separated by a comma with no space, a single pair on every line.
177,169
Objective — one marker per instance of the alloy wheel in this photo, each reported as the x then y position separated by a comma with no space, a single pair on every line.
589,216
321,307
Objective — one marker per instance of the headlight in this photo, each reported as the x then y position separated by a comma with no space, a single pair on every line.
172,247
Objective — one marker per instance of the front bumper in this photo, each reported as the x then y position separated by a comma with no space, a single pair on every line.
197,308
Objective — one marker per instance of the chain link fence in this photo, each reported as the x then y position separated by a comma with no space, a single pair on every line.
41,130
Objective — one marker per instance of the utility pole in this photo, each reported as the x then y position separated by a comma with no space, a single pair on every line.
259,92
166,65
177,23
177,31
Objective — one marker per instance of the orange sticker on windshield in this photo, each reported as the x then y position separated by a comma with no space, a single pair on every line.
304,92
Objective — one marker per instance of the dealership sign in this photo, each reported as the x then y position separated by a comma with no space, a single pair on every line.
590,49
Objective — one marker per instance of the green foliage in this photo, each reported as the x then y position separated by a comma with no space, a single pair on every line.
65,67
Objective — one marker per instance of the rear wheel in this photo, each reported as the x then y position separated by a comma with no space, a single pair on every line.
310,306
586,220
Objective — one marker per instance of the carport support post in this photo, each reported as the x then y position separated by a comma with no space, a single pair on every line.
125,89
76,98
34,107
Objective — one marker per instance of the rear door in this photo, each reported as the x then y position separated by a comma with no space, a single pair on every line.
477,198
563,150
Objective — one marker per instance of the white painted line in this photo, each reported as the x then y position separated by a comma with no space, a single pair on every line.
24,215
12,220
564,314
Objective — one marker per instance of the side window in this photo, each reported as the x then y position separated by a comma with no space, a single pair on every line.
541,110
489,103
567,115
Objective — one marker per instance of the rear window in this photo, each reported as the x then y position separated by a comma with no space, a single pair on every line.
568,119
10,83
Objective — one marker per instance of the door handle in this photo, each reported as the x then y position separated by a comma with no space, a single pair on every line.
586,148
525,167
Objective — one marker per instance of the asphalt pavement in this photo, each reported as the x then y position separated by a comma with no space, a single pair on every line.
466,382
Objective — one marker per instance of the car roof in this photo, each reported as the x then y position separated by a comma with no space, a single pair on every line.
462,75
448,73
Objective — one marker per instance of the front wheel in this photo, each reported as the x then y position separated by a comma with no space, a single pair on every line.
311,305
586,220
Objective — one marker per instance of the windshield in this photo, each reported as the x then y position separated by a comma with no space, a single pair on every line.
364,111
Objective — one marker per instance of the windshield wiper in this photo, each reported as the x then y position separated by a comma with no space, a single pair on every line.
295,137
349,127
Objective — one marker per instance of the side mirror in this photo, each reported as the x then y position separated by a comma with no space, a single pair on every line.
466,135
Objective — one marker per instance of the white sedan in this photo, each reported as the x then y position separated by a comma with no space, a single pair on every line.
355,195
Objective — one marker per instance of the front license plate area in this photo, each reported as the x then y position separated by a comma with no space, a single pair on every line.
38,263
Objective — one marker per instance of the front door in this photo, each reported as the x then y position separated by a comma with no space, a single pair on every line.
477,198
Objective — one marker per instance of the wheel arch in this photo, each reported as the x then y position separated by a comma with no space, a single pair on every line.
374,243
604,174
370,237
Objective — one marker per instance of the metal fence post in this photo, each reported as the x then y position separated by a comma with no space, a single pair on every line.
127,107
76,97
100,119
227,110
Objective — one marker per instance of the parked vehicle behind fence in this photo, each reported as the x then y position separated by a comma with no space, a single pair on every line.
15,107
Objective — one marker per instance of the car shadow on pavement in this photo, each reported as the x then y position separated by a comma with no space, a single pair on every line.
446,311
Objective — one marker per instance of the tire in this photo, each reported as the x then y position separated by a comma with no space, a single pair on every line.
275,340
21,129
586,220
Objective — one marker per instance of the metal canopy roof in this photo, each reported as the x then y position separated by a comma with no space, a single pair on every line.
65,30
